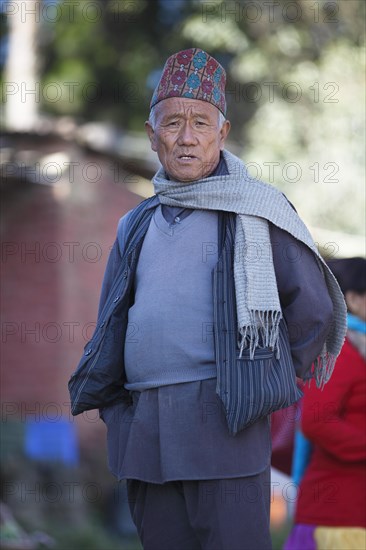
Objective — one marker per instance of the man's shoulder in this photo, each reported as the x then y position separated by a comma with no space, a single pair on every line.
127,219
146,204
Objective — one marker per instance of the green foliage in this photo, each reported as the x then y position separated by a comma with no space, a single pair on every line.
322,133
69,505
107,55
295,87
90,537
120,46
279,536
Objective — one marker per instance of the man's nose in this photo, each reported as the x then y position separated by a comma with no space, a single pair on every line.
187,135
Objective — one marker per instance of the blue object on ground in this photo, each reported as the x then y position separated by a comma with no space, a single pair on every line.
52,441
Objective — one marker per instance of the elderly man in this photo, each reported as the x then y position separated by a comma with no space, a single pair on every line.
214,299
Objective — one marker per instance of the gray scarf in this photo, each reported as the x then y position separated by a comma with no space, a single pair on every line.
255,203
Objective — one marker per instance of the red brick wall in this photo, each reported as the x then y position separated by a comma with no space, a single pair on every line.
55,245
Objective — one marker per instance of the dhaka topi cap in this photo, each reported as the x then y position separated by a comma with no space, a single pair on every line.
193,74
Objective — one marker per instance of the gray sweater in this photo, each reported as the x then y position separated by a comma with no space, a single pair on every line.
170,332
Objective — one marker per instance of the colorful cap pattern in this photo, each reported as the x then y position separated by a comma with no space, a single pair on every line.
193,74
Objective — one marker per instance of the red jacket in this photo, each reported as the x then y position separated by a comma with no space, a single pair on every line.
333,490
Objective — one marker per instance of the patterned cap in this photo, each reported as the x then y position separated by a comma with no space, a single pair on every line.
193,74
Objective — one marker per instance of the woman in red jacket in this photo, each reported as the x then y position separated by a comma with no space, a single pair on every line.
331,506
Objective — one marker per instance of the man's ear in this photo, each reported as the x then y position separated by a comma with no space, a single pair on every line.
225,129
151,134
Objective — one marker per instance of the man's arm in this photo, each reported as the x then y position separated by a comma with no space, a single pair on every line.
111,269
306,304
114,260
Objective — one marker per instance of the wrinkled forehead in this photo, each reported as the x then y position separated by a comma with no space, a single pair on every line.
186,108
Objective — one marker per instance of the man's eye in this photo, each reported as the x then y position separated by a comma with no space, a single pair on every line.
200,123
173,123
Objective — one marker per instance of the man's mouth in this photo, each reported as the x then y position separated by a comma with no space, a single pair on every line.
187,157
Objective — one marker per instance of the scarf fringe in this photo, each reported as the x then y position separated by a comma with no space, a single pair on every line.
262,332
256,204
323,368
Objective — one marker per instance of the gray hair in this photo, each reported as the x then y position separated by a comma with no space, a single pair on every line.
152,118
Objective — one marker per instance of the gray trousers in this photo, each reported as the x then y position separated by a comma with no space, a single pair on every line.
226,514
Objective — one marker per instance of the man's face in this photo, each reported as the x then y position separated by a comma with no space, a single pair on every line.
187,137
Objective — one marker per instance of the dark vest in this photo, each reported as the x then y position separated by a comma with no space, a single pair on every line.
248,389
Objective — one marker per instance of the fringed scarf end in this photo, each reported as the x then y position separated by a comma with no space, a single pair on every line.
262,332
323,368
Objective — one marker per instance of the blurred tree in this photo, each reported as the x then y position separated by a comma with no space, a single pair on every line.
105,58
295,82
296,93
22,83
